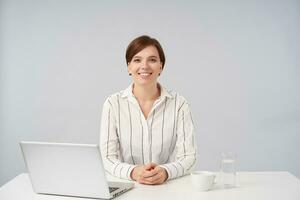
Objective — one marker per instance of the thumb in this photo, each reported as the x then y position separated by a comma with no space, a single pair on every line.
150,166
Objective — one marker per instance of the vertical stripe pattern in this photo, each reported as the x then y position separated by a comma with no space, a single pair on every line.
166,137
130,127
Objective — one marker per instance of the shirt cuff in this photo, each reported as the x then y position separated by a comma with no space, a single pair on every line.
130,169
167,170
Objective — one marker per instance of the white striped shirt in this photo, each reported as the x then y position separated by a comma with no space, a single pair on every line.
166,137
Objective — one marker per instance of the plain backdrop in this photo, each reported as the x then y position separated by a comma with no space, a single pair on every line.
236,62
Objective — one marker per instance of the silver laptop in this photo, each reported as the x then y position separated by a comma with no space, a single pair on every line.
70,170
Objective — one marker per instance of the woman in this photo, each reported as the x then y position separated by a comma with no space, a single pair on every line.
147,132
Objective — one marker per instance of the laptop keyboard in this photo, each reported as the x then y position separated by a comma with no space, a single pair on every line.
111,189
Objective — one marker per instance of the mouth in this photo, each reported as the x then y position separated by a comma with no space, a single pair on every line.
145,74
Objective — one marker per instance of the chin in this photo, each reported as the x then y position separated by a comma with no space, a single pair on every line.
145,82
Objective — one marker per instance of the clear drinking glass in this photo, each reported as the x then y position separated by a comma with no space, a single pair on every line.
228,170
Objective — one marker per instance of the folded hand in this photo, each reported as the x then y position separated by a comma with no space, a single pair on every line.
150,174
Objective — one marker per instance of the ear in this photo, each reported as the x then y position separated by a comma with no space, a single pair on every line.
128,68
161,69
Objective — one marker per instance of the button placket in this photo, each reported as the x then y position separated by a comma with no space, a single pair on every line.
151,116
146,131
147,125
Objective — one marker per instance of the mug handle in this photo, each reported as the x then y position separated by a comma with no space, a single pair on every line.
216,176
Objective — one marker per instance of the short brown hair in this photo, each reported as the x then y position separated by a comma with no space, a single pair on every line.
140,43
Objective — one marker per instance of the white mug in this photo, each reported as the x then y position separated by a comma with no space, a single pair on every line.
203,180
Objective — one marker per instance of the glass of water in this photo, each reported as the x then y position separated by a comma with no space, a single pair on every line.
228,170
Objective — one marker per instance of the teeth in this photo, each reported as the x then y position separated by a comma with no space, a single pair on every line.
145,74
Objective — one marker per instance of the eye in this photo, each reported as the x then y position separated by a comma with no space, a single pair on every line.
153,60
136,60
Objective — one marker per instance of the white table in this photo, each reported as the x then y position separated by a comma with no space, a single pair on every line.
251,185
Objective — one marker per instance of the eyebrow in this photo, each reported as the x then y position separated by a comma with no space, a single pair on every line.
148,57
152,57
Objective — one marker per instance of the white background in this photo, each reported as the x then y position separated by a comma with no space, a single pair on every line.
236,62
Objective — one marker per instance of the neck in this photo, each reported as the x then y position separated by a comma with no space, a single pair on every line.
146,92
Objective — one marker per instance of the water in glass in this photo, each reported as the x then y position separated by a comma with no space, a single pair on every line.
228,171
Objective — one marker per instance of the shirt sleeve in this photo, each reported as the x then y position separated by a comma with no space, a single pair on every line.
186,150
109,145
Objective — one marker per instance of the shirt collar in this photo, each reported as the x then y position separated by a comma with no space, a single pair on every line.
163,93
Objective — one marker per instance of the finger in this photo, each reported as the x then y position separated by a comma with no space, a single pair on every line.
159,181
147,166
156,170
142,181
152,178
150,166
150,173
152,181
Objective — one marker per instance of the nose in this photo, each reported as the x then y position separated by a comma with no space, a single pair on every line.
144,65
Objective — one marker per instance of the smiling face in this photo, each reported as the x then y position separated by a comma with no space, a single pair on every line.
145,66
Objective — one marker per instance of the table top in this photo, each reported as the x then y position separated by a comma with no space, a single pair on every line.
250,185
